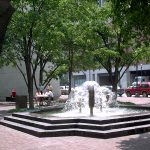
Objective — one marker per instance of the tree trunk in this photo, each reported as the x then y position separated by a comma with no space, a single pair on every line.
41,73
70,69
30,91
115,81
6,11
27,59
30,82
70,79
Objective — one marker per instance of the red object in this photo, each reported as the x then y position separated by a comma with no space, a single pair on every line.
13,93
140,88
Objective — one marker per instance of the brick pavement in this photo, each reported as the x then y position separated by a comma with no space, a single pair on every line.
11,139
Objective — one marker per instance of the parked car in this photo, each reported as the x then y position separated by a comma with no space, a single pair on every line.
120,91
140,88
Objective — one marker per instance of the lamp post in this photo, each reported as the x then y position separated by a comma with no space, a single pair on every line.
141,70
136,92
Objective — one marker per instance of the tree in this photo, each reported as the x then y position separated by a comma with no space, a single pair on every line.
77,36
31,41
111,45
119,49
6,11
136,15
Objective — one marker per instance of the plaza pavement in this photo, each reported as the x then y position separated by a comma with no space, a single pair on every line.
136,100
11,139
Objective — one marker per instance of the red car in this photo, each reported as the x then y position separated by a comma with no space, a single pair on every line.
142,88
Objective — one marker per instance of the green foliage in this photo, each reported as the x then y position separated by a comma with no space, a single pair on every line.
78,35
33,40
135,14
35,32
65,35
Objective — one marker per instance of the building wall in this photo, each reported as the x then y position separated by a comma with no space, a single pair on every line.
10,78
101,75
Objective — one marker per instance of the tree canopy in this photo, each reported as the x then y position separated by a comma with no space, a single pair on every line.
55,37
6,11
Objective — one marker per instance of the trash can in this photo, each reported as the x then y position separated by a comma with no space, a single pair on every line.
21,101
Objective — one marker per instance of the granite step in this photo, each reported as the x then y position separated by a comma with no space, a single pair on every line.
78,132
115,125
38,124
89,127
80,125
114,132
36,131
46,120
109,120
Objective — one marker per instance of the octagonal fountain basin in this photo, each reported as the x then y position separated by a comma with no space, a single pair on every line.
107,119
54,124
97,113
104,103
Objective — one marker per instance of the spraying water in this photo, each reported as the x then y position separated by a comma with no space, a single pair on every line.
105,104
79,98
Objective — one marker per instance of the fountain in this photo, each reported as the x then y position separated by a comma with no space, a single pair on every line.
87,92
89,99
90,111
92,100
88,95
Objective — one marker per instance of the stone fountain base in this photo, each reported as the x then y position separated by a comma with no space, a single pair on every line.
88,127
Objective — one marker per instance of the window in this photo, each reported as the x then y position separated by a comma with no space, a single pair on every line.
135,84
78,80
144,86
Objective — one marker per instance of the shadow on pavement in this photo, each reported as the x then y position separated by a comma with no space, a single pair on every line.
142,142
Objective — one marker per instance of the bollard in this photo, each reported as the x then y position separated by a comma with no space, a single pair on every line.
21,101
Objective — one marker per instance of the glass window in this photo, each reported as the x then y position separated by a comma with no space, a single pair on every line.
144,86
134,84
78,80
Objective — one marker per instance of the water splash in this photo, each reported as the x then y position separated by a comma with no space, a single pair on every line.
79,97
77,105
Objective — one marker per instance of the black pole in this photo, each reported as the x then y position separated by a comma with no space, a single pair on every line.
136,93
141,71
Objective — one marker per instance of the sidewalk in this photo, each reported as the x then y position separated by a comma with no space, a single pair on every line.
4,110
15,140
135,100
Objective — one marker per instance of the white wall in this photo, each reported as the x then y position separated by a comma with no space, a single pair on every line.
10,78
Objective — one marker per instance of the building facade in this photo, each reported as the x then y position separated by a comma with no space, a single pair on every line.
101,76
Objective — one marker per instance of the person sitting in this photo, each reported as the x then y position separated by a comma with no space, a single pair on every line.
49,94
37,98
13,93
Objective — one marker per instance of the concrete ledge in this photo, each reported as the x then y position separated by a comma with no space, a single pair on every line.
87,127
7,103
